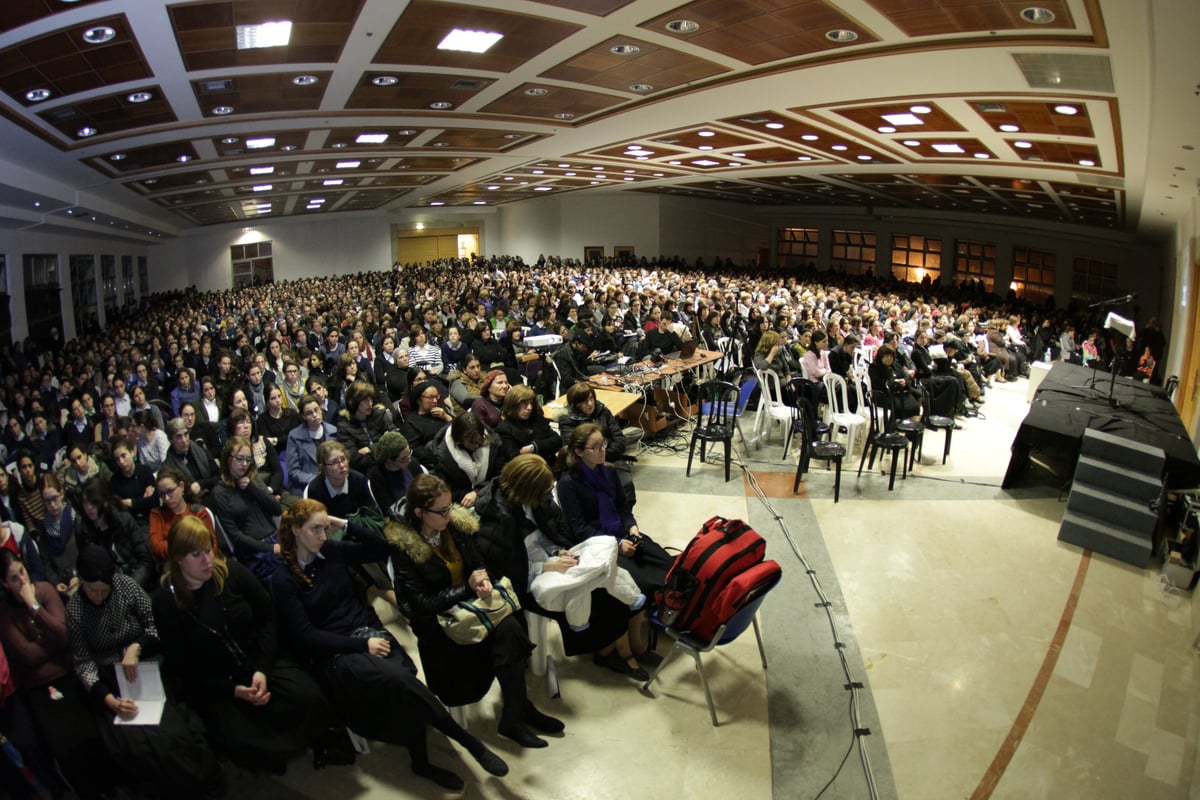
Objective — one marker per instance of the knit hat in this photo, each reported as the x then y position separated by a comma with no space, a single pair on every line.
486,383
414,394
390,445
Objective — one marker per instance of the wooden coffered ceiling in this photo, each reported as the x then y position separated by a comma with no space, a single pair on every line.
1030,109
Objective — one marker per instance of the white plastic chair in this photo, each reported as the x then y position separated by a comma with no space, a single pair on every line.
838,413
771,408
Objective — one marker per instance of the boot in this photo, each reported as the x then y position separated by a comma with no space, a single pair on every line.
515,698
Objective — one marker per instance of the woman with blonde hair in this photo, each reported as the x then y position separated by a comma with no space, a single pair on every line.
220,642
363,668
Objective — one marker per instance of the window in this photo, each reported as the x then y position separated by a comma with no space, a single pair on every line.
5,310
1094,279
853,252
108,274
83,292
143,275
127,281
1033,274
915,258
252,264
797,247
975,261
43,305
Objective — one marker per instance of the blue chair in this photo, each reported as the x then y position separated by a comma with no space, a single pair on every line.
746,616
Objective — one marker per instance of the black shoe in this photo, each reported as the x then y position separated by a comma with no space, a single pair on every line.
544,723
521,735
492,764
617,664
442,777
649,658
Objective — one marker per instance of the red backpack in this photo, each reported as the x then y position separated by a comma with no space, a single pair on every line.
720,570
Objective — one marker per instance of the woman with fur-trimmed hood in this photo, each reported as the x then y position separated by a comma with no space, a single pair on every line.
437,564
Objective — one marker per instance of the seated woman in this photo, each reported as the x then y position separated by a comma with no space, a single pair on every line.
424,425
177,501
245,506
467,457
152,443
772,354
394,470
302,445
277,420
437,565
525,428
391,369
266,457
132,483
360,424
33,632
518,506
365,671
57,543
887,375
466,385
596,505
219,640
492,391
340,489
111,625
106,523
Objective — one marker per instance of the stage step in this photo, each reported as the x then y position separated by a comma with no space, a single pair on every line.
1114,501
1092,534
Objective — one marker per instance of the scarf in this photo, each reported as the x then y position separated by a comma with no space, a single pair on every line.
58,534
599,480
473,464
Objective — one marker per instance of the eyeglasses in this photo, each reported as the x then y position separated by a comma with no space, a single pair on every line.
168,492
441,512
337,462
603,445
243,459
52,498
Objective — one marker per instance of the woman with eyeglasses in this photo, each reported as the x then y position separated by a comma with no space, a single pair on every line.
303,442
245,507
423,427
220,642
437,565
394,469
467,457
175,493
342,490
364,670
57,543
596,505
106,423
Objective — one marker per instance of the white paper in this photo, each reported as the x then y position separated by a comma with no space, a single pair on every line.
147,692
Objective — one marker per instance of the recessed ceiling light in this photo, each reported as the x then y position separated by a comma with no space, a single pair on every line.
948,148
810,137
738,155
261,170
564,115
983,155
705,162
437,203
568,174
117,157
706,133
625,49
1008,127
339,145
348,164
549,188
264,187
920,109
513,136
1038,16
139,97
371,138
841,35
1086,162
1067,110
480,202
886,129
543,172
258,144
441,105
903,119
774,125
839,147
469,41
37,95
287,148
266,34
304,80
682,26
332,182
87,131
150,181
912,142
1023,145
705,147
222,111
641,88
406,132
441,144
864,157
493,187
537,91
99,34
385,80
183,158
316,201
230,140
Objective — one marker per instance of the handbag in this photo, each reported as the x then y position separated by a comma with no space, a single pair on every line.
472,621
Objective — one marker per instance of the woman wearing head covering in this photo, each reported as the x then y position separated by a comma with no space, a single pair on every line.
366,672
423,426
493,389
394,469
111,627
220,651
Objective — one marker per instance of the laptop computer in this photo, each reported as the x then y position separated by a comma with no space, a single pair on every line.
687,351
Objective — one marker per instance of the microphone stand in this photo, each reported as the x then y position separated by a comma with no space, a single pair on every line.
1112,382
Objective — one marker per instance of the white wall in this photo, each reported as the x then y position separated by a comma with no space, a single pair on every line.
628,220
693,228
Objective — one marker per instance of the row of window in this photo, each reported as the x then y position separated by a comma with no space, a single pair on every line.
915,258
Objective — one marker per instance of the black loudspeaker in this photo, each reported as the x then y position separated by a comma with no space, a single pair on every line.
1113,508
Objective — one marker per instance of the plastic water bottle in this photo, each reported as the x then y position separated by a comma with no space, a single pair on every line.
1047,359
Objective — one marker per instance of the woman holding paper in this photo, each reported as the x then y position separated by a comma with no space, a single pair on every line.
111,628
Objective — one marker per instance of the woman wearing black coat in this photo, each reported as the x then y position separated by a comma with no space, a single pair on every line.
467,457
525,428
103,522
436,566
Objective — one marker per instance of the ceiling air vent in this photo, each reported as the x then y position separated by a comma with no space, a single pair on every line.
1063,72
1100,180
992,108
61,114
468,84
212,87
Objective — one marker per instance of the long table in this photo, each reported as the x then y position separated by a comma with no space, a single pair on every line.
1072,399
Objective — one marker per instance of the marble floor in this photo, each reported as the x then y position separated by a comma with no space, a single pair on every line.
994,661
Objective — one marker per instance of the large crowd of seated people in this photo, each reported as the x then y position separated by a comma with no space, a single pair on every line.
219,479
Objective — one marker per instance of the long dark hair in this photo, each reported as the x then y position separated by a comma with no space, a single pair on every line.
568,458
